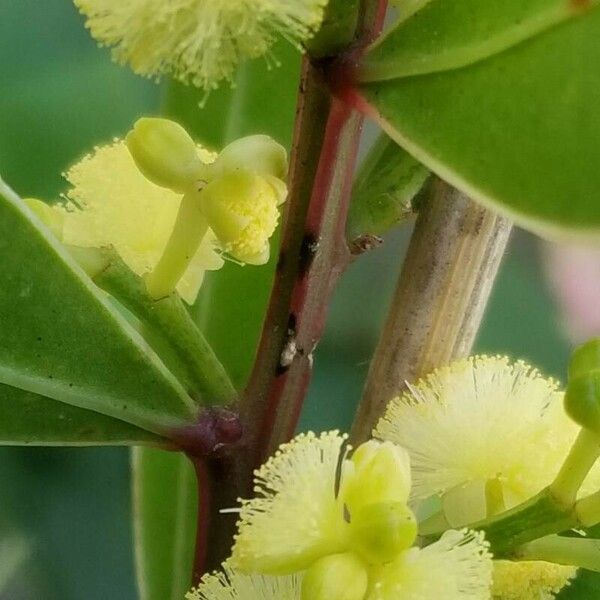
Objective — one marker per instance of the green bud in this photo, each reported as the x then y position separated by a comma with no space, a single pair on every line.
336,577
381,474
582,401
257,153
165,153
380,532
582,397
585,359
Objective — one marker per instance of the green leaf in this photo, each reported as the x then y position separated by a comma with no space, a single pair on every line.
230,307
383,190
171,331
165,504
585,586
61,338
448,35
518,131
28,418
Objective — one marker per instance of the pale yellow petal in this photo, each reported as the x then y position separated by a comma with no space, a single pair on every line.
232,585
457,567
480,419
295,517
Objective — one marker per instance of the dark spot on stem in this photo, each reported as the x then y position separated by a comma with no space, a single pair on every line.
310,245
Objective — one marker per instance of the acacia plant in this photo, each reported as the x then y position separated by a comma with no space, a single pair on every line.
158,304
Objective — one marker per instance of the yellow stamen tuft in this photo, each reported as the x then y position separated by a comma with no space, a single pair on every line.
456,567
197,41
480,420
111,203
232,585
242,209
295,517
533,580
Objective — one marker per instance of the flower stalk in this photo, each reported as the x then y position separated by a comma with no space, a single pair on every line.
579,552
581,458
190,228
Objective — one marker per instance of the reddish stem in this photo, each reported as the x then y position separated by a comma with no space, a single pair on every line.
313,255
304,285
204,517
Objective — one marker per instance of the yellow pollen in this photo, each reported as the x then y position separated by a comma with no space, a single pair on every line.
535,580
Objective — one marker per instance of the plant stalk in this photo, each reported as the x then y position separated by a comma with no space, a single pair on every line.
578,552
312,256
448,274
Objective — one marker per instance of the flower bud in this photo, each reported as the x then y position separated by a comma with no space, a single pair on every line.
165,153
258,153
381,474
582,397
336,577
585,358
51,218
381,531
241,208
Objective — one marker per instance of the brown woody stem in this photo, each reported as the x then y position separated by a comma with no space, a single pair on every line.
448,274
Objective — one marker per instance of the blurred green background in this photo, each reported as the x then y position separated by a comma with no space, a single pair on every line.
59,97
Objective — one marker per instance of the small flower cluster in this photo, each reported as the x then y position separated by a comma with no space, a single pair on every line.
300,536
485,434
171,208
475,438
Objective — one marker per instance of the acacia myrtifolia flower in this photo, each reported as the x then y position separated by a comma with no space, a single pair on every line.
326,526
197,41
485,434
170,208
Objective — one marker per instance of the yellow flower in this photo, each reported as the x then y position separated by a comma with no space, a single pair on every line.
242,208
110,203
170,207
481,420
295,517
485,434
307,516
232,585
457,567
197,41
